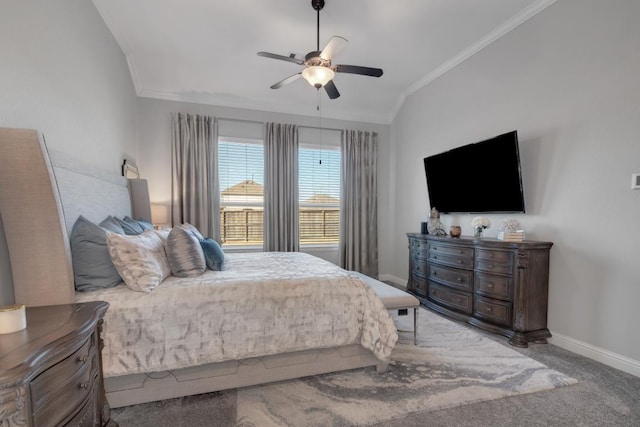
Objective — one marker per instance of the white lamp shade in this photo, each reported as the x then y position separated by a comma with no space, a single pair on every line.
318,76
160,214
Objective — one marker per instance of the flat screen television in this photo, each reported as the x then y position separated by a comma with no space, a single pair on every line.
483,177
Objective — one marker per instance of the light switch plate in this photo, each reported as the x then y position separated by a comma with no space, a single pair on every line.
635,181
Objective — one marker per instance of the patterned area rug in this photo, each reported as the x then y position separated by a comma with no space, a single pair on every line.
451,366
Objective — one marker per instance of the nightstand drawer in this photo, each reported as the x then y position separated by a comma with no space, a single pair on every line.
460,301
494,286
494,311
49,383
77,389
461,279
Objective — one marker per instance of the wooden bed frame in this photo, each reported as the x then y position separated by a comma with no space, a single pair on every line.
41,196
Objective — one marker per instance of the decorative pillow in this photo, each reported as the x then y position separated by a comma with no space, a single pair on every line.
141,222
141,259
92,266
110,223
213,254
184,251
130,227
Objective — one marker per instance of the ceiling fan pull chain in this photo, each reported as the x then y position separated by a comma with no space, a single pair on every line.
320,123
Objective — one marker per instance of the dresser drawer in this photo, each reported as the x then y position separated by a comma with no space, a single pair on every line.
419,267
493,286
419,248
461,279
454,261
443,249
419,285
494,311
494,261
457,300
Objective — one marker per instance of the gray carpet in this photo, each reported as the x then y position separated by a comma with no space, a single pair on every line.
602,396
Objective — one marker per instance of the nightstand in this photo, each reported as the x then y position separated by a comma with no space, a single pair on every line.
51,372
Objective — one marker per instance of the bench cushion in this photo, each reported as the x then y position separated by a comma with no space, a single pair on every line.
392,298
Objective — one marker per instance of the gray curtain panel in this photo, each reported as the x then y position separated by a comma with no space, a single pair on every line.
281,224
195,190
359,203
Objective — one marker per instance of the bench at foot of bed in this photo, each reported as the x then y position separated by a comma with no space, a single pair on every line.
394,299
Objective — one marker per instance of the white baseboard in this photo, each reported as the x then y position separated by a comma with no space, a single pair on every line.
601,355
392,278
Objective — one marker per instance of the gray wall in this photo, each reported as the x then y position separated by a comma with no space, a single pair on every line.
568,81
155,143
62,72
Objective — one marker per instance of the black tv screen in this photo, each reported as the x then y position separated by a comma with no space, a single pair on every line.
477,178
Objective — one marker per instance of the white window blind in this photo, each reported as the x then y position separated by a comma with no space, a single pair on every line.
319,188
241,174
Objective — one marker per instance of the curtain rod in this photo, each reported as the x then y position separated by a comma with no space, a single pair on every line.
262,123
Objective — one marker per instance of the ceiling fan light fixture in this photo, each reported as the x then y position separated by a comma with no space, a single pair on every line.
318,76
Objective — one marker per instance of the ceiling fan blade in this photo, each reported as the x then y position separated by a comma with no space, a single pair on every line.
331,89
334,47
281,57
286,81
355,69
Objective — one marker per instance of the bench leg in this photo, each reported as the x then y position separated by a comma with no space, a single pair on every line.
415,326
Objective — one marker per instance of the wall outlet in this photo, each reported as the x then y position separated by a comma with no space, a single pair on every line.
635,181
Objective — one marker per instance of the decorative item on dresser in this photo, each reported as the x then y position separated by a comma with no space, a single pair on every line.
499,286
51,372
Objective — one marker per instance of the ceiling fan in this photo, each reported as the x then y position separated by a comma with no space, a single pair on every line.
318,70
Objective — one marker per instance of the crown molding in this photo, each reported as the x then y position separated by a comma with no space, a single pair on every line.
526,14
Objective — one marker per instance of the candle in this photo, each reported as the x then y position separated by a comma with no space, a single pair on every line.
13,318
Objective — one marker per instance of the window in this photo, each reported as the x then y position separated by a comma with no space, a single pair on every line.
241,174
319,188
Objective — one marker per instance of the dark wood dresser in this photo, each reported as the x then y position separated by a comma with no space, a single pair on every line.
501,287
51,372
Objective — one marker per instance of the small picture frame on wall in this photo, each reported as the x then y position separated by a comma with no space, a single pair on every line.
130,170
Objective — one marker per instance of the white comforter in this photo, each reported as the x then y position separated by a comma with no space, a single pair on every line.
261,304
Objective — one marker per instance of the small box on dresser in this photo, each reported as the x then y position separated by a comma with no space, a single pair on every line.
51,372
496,285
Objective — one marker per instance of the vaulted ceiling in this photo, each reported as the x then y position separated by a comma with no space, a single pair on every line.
204,51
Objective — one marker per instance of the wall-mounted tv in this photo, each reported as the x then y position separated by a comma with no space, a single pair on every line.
482,177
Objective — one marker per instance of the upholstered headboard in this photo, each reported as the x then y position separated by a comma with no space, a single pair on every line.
42,194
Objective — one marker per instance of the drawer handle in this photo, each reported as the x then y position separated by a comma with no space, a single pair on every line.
490,285
459,251
84,386
435,273
458,299
459,279
83,359
490,265
489,309
459,261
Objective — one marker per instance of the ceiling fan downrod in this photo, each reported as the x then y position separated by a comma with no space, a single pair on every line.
317,5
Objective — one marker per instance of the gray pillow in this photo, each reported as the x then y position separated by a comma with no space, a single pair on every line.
213,254
130,226
92,266
142,223
186,258
111,224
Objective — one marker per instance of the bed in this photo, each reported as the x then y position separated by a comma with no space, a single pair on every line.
265,317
